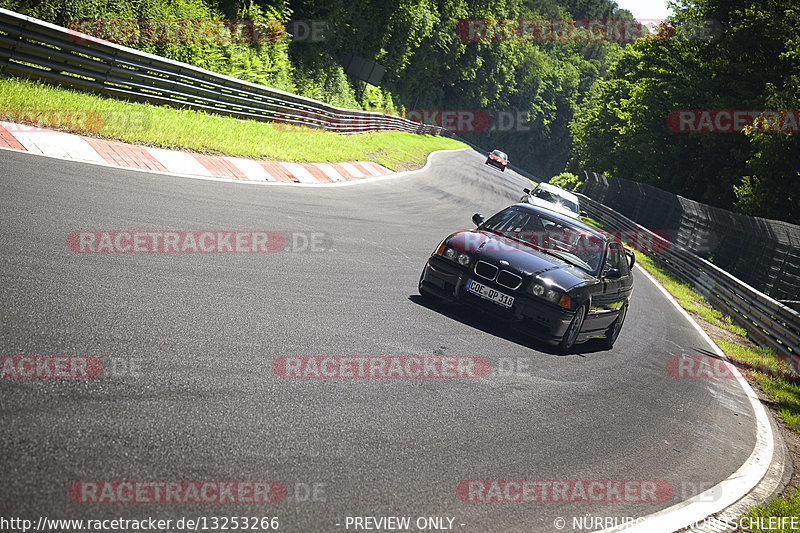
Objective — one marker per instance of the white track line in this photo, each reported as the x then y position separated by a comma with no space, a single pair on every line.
728,491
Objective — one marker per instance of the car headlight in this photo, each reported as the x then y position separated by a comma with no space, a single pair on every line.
454,255
551,295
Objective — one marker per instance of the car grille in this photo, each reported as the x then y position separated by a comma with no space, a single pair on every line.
509,280
486,270
502,277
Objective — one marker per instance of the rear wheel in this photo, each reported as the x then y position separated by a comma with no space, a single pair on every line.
571,335
616,327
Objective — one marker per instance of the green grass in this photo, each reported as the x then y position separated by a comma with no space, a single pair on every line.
207,133
589,220
762,362
786,395
687,297
779,379
788,506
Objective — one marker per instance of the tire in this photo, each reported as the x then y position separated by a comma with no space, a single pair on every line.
425,294
423,291
616,327
574,328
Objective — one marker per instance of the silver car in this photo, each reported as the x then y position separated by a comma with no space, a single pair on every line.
553,198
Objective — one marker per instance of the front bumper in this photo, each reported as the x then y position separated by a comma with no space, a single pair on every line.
528,314
497,164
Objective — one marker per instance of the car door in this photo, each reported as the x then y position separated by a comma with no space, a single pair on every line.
615,285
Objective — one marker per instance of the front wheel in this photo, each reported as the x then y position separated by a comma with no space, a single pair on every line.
423,291
616,327
571,335
425,294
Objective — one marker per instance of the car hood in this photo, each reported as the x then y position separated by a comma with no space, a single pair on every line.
538,202
522,258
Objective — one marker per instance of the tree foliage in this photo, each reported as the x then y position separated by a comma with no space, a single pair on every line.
555,105
752,62
530,88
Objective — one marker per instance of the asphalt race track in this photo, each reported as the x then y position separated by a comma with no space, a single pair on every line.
188,342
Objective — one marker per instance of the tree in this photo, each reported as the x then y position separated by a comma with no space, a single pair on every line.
750,63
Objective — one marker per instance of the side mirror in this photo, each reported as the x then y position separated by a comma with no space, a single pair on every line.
526,190
478,219
631,258
612,273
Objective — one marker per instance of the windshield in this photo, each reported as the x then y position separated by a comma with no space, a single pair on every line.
573,245
500,154
553,198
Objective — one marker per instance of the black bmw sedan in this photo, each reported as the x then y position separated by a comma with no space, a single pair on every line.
550,276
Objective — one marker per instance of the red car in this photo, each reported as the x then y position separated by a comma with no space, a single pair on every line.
498,159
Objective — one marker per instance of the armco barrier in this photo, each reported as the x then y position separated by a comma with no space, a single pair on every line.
761,252
38,50
766,320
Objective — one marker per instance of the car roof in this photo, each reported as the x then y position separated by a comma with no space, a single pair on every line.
566,219
559,191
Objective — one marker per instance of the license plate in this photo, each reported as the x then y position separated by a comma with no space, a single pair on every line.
489,294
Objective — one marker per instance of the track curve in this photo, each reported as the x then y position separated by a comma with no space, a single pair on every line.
204,329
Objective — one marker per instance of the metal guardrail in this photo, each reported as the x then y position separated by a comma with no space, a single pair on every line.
767,321
39,50
761,252
36,49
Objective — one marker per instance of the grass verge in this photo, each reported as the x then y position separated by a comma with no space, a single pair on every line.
689,299
787,506
777,378
165,127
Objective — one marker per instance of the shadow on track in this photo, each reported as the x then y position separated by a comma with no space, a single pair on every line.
475,319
